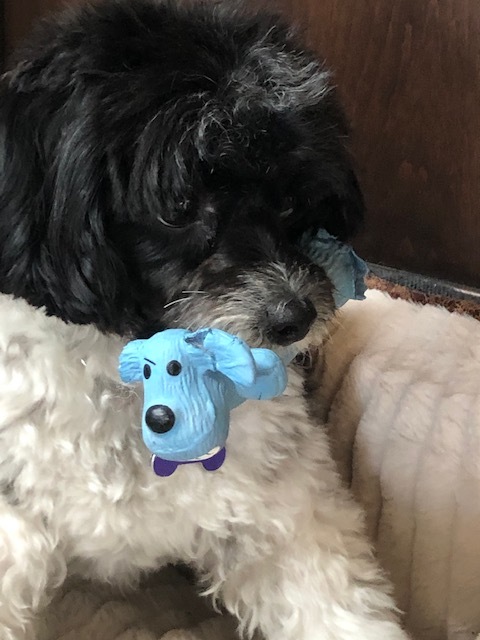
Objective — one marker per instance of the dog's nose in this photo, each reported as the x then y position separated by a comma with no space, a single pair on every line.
160,418
290,322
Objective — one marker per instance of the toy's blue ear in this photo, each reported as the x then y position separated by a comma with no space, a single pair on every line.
228,354
130,368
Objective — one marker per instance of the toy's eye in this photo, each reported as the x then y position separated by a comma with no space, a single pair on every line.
147,371
174,368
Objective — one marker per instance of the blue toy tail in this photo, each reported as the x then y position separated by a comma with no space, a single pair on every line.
341,264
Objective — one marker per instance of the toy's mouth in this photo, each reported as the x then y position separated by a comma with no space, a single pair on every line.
210,454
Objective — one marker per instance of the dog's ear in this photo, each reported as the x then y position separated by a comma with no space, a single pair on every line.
288,127
321,190
342,210
54,250
320,174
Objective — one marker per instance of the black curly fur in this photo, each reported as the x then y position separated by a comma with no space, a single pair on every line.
137,137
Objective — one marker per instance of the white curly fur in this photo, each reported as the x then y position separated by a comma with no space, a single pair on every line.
277,538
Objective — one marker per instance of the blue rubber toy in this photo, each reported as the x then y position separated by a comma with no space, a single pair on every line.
192,380
341,264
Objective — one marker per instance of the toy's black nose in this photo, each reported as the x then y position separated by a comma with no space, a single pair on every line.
288,323
160,418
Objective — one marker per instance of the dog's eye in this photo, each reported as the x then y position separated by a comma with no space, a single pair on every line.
286,213
177,224
174,368
147,371
182,215
288,206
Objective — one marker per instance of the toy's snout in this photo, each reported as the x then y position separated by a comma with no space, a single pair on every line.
160,418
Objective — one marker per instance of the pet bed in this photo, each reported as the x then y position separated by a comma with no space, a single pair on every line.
400,393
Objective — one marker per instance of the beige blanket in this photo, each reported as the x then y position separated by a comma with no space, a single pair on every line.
401,387
87,611
400,390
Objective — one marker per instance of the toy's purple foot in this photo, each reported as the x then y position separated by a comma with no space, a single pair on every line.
215,462
163,468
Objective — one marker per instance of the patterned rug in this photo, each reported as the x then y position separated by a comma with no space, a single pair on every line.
425,290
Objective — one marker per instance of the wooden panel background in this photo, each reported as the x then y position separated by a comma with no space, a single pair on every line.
408,72
409,75
19,16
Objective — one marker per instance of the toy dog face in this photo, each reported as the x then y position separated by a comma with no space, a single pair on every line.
189,388
178,411
159,163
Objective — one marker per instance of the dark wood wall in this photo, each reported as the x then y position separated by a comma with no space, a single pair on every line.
20,14
409,75
408,72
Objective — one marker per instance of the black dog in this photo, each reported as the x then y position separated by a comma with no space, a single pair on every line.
140,139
